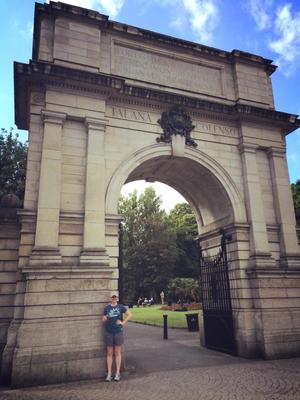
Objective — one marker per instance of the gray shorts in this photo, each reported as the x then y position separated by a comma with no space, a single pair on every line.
113,339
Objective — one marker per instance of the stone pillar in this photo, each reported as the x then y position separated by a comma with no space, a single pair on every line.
260,255
94,252
46,249
284,208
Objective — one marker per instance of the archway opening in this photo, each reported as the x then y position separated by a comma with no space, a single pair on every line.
202,190
199,186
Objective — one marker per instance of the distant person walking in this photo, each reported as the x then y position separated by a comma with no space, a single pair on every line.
114,338
162,297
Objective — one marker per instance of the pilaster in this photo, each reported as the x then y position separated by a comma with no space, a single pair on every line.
46,250
284,208
260,256
94,252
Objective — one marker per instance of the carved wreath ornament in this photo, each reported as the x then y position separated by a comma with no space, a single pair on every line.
176,122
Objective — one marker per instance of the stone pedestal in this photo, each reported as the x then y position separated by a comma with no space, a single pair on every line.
60,336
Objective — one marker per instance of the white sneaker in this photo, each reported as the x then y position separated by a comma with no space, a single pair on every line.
117,377
108,378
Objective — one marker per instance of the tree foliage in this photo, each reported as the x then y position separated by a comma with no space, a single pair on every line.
296,198
13,156
184,225
183,290
158,248
150,250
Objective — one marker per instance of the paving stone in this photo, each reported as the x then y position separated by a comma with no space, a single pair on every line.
194,373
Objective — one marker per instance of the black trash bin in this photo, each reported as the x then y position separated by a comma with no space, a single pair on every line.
192,322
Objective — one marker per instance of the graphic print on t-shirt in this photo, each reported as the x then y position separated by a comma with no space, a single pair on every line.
114,313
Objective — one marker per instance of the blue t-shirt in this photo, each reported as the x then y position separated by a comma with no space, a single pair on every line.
113,313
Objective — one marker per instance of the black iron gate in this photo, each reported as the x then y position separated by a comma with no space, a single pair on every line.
216,300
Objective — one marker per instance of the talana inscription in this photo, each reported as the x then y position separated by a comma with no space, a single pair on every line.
127,113
168,71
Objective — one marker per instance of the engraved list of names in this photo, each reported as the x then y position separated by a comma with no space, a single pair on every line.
164,70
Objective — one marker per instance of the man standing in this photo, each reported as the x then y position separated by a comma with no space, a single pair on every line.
162,297
114,339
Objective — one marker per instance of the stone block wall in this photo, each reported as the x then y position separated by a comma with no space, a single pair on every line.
96,90
9,249
92,44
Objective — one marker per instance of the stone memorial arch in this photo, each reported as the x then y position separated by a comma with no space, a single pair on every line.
106,103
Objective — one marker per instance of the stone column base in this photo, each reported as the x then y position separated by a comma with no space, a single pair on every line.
261,261
41,256
290,261
58,365
96,257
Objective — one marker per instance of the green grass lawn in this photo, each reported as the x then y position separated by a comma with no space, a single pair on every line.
154,316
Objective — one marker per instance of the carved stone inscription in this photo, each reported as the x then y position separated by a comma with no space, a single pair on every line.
150,67
126,113
216,129
143,116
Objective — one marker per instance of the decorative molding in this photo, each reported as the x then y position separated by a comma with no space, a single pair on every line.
248,148
176,122
53,117
276,152
96,124
37,72
96,257
44,256
38,98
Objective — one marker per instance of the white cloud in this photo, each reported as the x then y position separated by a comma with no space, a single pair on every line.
260,11
203,17
200,15
24,30
27,30
110,7
287,46
179,22
293,157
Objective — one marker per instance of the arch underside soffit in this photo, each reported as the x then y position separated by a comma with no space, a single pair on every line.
215,204
205,194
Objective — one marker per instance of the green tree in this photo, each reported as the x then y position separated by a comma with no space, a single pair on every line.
183,290
150,249
184,224
13,156
296,197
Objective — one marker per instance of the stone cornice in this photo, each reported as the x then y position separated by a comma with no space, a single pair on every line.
96,124
53,117
40,73
54,10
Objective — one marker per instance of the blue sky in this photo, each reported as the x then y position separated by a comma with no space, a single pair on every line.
270,28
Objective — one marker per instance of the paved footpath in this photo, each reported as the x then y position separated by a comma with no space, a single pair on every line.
178,369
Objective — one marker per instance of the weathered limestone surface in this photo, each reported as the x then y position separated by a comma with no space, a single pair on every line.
9,244
91,99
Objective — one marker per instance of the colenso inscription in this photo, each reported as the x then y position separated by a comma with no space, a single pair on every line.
135,115
138,64
216,129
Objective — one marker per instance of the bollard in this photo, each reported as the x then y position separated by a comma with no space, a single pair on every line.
165,326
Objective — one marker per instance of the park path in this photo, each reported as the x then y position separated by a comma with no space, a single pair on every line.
178,369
